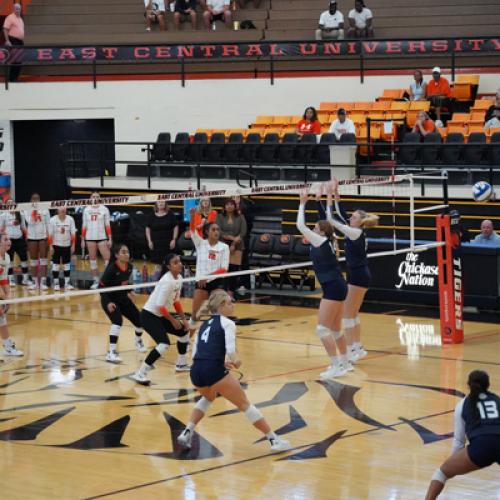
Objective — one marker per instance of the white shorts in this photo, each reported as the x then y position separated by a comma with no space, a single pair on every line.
158,5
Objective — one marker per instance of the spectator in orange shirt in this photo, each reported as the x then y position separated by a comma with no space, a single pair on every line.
204,214
309,123
13,30
438,91
424,125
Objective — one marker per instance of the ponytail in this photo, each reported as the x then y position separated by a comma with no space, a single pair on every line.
327,228
211,306
368,220
479,382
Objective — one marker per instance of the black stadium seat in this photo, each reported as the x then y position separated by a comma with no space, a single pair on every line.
430,151
215,148
180,147
186,249
452,152
305,152
323,151
494,149
197,149
232,150
347,139
261,255
287,148
283,249
250,150
474,151
161,149
269,148
408,152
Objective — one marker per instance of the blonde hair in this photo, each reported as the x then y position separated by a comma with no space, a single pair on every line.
209,208
368,220
216,299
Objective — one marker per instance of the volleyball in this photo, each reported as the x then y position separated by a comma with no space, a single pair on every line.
482,191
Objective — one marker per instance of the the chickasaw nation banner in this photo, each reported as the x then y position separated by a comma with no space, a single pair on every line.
249,50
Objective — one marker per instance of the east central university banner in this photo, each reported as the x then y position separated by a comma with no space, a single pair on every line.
221,51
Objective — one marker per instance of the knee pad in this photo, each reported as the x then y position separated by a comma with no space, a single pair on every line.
67,267
184,339
161,348
115,330
33,263
348,323
322,331
357,321
337,335
203,404
253,414
55,268
93,265
439,476
3,320
44,262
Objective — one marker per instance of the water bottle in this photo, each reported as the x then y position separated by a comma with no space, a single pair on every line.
136,279
214,27
252,281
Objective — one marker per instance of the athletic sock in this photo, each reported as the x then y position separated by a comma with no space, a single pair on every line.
190,426
181,359
335,360
144,369
8,343
271,435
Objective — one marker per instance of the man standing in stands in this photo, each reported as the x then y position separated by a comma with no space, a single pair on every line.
342,125
331,24
438,91
487,235
360,21
13,30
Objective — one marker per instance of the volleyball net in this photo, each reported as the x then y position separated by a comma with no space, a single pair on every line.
393,198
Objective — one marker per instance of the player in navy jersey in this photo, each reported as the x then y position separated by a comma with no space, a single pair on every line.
213,355
326,268
358,272
477,418
118,304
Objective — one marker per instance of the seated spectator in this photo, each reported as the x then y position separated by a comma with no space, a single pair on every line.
331,24
487,235
185,10
309,123
360,21
494,121
417,88
342,125
217,10
242,3
491,109
424,125
155,13
438,91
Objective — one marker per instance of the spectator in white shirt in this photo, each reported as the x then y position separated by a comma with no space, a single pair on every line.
155,13
494,121
360,21
342,125
217,10
331,24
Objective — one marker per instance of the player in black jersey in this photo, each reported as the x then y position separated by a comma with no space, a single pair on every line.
477,418
119,304
213,355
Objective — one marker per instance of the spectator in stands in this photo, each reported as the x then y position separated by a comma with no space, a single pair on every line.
360,21
246,207
309,123
331,24
342,125
242,3
162,231
494,121
217,10
491,109
233,227
417,88
424,125
13,31
185,10
204,214
438,91
487,235
155,13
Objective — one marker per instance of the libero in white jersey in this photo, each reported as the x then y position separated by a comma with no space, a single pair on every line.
96,235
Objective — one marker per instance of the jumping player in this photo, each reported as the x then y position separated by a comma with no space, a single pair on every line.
157,320
118,304
477,419
14,225
358,272
212,258
62,239
96,235
37,224
214,354
334,288
9,346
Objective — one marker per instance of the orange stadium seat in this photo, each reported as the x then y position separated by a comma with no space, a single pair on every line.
263,120
462,91
381,106
400,106
328,106
477,117
481,104
289,129
281,120
443,132
258,129
456,127
348,106
363,106
420,105
392,94
470,79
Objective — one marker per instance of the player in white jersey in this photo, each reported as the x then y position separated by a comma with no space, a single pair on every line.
62,239
96,234
13,224
8,344
212,257
158,321
37,225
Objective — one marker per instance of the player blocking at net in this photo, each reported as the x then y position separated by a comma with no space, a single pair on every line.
158,321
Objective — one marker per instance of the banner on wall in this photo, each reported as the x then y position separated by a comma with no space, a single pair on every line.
221,51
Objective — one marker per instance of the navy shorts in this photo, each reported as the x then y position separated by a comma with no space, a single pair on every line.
485,450
335,290
207,372
359,276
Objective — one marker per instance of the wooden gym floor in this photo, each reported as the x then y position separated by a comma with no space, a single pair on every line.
74,426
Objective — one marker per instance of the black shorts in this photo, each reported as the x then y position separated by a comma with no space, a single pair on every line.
158,327
205,372
18,246
123,308
36,241
217,284
218,17
335,290
359,276
61,253
96,241
484,450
